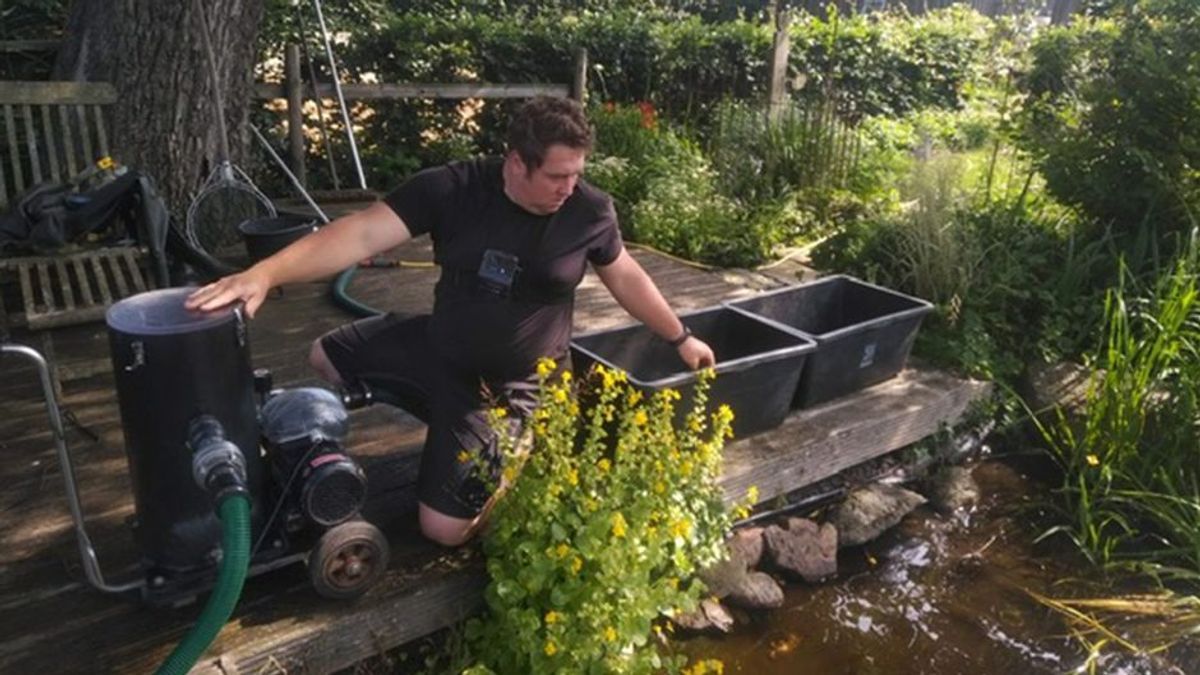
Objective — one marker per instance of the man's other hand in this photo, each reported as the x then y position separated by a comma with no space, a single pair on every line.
696,353
249,287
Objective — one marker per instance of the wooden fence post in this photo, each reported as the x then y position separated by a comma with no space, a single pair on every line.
295,85
777,94
579,87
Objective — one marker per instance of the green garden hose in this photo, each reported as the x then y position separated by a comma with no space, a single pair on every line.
235,545
341,295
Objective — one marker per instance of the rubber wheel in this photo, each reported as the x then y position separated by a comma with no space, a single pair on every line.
347,560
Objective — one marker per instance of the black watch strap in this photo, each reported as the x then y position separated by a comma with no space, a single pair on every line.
687,333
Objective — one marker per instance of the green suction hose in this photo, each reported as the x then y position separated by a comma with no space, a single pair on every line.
341,295
235,544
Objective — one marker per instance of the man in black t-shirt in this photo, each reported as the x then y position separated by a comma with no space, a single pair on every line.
513,237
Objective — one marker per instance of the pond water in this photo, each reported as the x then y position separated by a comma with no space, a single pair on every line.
936,596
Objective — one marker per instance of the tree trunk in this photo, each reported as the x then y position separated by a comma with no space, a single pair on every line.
164,121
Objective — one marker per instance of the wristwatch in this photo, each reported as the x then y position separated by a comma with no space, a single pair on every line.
687,333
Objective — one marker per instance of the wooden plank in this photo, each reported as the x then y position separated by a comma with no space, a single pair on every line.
86,135
3,187
14,147
64,278
85,286
817,443
44,281
26,290
326,644
35,162
69,150
129,256
455,90
54,93
16,46
51,147
101,130
101,282
113,263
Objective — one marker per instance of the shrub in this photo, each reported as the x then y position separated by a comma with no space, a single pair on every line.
1113,116
615,510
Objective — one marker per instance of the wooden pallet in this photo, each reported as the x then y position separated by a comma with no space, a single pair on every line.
65,290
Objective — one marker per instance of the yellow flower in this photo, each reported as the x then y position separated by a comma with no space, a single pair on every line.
545,367
576,564
724,413
610,634
590,504
562,550
566,376
681,528
464,456
500,413
552,617
695,425
560,395
687,467
640,418
618,525
604,465
509,474
635,397
660,487
573,477
752,494
1093,460
573,409
551,649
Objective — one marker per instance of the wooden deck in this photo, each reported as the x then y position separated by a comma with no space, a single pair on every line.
51,621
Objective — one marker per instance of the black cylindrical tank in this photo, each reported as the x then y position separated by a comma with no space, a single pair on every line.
172,365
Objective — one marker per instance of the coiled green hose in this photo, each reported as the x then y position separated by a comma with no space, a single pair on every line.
341,295
235,545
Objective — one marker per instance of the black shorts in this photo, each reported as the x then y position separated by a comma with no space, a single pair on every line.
396,354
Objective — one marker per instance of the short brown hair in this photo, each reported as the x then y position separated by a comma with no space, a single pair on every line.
545,121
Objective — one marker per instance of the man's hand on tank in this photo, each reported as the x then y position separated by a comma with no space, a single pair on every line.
245,287
696,353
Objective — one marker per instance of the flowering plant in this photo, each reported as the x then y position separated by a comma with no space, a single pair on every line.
615,509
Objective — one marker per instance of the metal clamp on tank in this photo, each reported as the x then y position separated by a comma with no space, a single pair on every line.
217,464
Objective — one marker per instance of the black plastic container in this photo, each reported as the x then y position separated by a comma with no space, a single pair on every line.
864,332
266,236
172,365
758,363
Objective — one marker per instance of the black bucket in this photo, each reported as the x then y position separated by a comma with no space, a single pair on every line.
758,363
267,236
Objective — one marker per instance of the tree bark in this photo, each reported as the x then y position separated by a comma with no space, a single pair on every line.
164,121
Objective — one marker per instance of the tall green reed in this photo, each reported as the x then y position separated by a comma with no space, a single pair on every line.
1131,462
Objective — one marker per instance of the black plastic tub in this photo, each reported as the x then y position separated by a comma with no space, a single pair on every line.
864,332
758,363
266,236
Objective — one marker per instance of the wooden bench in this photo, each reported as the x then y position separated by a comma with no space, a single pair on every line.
53,131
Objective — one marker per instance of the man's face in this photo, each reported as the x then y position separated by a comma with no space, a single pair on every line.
544,189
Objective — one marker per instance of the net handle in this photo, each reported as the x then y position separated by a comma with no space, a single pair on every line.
215,77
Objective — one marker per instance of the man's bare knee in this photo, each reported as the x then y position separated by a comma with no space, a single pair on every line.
319,360
446,530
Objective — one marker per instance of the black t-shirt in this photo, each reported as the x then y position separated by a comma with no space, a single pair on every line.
463,207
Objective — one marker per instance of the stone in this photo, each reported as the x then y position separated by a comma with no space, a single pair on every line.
710,615
868,512
757,591
723,577
804,548
952,489
744,550
746,545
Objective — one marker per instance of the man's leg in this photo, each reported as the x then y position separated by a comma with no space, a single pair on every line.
460,466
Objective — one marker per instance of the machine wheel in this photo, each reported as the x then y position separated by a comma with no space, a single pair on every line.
347,560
